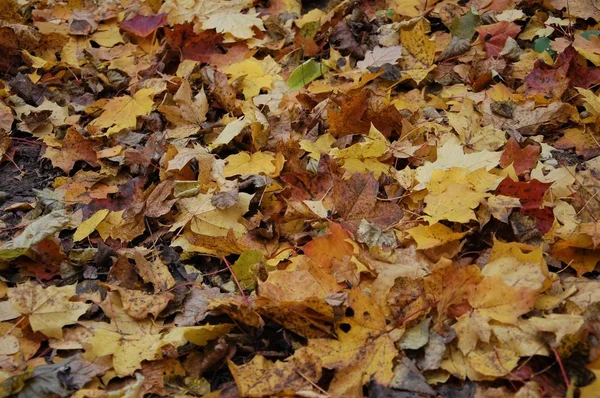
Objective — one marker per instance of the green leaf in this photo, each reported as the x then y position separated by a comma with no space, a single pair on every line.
306,73
586,35
35,232
245,270
543,44
464,27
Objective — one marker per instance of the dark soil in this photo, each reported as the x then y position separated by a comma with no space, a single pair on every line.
17,184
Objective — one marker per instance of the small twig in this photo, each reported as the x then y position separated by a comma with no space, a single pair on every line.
562,368
312,383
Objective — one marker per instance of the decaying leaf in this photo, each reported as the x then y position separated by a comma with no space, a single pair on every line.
47,309
292,198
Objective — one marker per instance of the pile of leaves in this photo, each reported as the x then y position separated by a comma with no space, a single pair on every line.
384,198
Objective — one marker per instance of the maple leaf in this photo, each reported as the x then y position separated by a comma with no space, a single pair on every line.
205,46
584,144
379,56
48,310
494,36
433,235
237,24
144,25
451,154
363,352
455,203
310,318
355,199
325,250
529,193
306,280
155,272
256,163
468,124
522,159
122,112
129,351
138,304
257,74
88,226
494,299
189,113
261,377
206,219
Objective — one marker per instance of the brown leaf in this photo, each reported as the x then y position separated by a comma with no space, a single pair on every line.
157,203
355,199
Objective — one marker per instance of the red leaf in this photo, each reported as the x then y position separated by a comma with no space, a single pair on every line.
494,36
552,81
207,46
547,82
544,218
522,159
530,193
142,25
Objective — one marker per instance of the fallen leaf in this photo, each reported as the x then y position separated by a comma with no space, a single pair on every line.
122,112
379,56
261,377
144,25
42,306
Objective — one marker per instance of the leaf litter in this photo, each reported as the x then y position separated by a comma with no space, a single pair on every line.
270,198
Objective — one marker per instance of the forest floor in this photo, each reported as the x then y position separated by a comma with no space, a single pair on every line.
382,198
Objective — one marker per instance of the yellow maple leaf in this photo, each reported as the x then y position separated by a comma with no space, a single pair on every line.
155,272
409,8
107,35
261,377
470,328
205,219
428,236
257,74
363,351
496,362
468,124
450,154
139,305
420,50
517,268
115,226
258,163
455,203
362,157
48,309
304,279
494,299
319,146
122,112
522,338
129,351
